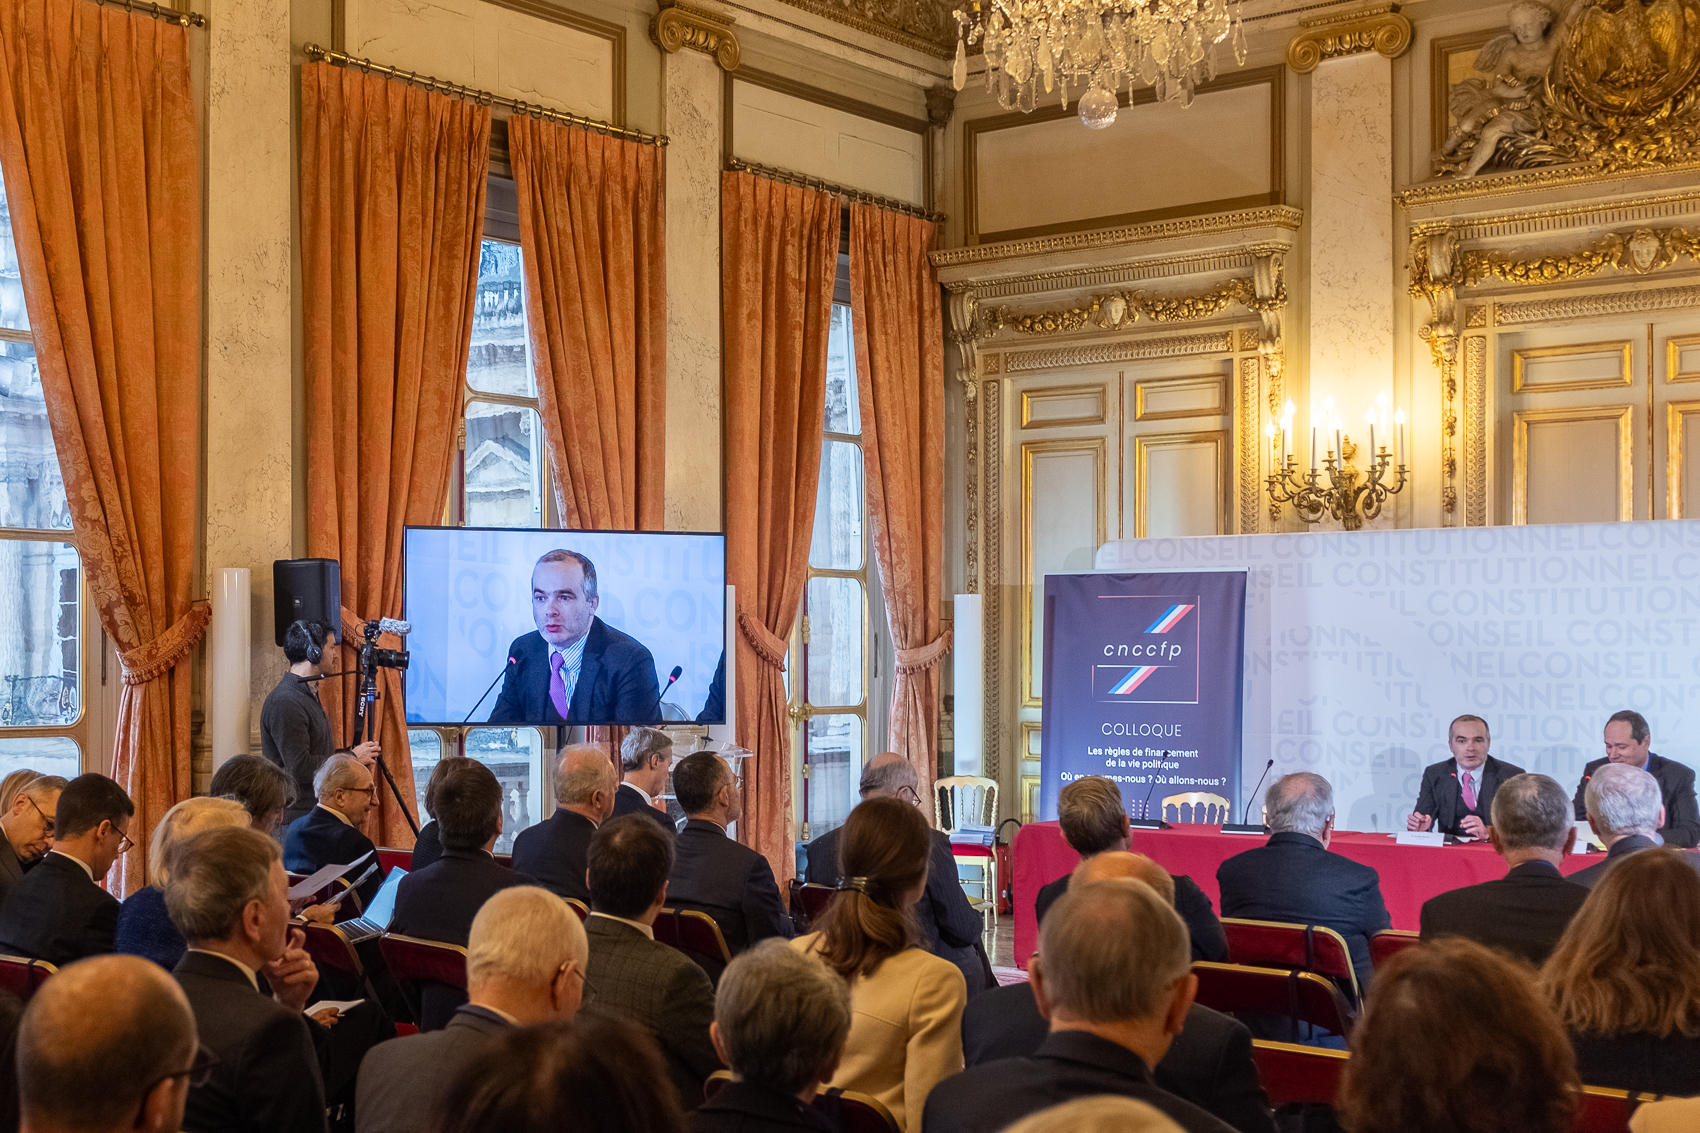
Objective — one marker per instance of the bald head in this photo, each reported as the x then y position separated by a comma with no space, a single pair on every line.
886,775
586,781
1119,865
97,1044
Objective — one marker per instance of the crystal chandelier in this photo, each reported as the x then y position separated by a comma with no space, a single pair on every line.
1169,45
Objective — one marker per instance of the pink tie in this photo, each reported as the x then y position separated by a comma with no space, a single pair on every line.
557,686
1469,789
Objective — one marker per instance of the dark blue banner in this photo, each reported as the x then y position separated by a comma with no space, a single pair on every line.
1142,685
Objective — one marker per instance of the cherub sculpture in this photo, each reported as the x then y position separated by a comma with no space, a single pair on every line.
1506,103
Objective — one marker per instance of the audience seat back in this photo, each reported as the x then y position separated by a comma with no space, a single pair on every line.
1298,1075
846,1110
504,859
22,976
578,907
1279,944
413,961
694,933
1388,943
1606,1111
330,948
1304,997
814,900
389,858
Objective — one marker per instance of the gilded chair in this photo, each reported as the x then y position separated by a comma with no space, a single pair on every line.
971,800
1206,808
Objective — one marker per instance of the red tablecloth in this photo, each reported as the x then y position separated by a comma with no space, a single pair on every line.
1410,875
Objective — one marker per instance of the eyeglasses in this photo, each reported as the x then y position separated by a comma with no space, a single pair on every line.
125,843
907,793
587,994
46,821
199,1072
358,790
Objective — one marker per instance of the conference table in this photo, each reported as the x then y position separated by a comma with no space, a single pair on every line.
1410,875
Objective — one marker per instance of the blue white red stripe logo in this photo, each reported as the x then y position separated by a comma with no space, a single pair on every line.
1134,679
1167,622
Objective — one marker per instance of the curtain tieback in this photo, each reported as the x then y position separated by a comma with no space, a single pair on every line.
769,646
925,656
153,659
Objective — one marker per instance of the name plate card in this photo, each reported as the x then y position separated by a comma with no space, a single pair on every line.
1419,838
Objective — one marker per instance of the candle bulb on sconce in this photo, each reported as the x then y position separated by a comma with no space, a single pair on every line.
1399,438
1336,488
1370,417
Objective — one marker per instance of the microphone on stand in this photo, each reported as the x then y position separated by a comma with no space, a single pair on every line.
1149,823
392,625
512,661
678,671
1241,827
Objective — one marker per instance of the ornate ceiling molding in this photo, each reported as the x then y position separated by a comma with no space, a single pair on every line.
677,26
1499,185
1131,350
1593,215
920,25
1380,28
1273,216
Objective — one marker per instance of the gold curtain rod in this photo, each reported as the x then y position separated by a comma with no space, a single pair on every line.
442,86
160,12
739,165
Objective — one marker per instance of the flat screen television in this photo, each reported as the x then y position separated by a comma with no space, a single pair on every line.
564,627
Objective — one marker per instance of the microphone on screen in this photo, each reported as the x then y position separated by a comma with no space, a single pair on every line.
512,661
678,671
1253,795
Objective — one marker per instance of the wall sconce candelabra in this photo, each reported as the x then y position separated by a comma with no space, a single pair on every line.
1334,486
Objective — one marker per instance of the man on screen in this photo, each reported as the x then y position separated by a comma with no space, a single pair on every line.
1457,794
1629,743
575,669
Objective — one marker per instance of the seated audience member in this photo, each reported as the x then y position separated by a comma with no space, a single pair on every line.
441,900
713,873
1626,810
1094,821
1455,1038
646,755
555,851
906,1003
108,1044
263,788
428,847
1097,1115
57,911
587,1075
330,833
228,896
1294,878
780,1021
1527,910
1670,1115
1456,796
634,977
948,922
1113,977
1626,977
144,925
1210,1062
1629,744
525,963
27,822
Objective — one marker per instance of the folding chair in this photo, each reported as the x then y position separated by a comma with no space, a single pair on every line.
22,976
1279,944
1303,997
1298,1075
1388,943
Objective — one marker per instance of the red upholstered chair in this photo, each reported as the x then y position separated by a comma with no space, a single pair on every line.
21,975
1298,1075
504,859
716,1082
695,934
847,1110
1304,997
389,858
578,907
1278,944
330,948
413,962
1388,943
1605,1111
814,899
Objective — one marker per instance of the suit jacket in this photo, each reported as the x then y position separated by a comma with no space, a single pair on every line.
403,1080
628,801
1293,877
728,881
647,983
11,868
616,682
1524,913
1640,1063
295,734
554,852
1442,796
145,929
744,1107
1209,1063
1676,785
267,1078
55,913
1067,1065
1209,941
320,838
1620,849
427,848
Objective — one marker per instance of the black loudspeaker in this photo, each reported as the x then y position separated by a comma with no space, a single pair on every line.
307,590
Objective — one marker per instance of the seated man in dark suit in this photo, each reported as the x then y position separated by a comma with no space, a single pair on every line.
555,851
1456,795
108,1044
712,873
1294,878
57,911
780,1021
1112,976
1094,821
646,755
1625,808
1210,1063
951,926
575,668
330,833
1629,743
634,978
1525,912
228,896
27,826
526,959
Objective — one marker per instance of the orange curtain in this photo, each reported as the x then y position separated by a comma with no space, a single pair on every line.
778,257
392,214
593,227
894,304
101,156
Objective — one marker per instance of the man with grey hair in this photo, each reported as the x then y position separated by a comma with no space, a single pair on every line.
951,926
1526,911
526,961
646,755
330,833
28,827
1625,808
554,851
780,1021
1112,975
1293,877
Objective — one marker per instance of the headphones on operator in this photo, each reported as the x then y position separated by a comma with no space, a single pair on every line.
315,640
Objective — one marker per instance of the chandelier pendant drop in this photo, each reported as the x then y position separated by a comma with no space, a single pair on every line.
1055,45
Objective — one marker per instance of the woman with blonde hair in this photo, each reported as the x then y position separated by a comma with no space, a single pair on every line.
906,1004
1625,977
144,927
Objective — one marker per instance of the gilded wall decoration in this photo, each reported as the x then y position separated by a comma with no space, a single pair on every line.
1120,310
678,26
922,25
1475,431
1379,28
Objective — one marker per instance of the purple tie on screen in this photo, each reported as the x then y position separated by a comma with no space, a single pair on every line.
557,686
1469,789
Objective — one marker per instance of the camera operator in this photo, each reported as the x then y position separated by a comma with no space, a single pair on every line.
295,733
